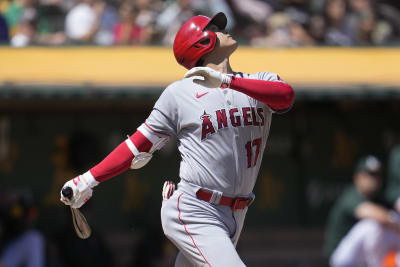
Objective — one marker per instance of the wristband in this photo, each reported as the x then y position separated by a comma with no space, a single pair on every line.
226,81
88,178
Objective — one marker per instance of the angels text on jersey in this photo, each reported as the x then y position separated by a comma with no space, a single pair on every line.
233,117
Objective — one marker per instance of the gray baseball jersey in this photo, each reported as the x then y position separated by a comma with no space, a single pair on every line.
221,133
221,136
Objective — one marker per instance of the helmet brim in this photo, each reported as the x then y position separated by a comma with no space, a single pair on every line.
219,20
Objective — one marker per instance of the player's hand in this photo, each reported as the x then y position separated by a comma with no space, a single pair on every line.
168,190
81,190
208,77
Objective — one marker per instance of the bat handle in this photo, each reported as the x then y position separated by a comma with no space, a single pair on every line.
67,192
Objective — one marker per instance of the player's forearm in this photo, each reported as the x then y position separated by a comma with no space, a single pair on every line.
119,160
368,210
385,217
130,154
277,95
115,163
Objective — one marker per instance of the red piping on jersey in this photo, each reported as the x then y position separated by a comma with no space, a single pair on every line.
187,232
155,130
277,95
120,159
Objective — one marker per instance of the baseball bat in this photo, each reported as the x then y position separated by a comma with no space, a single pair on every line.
81,225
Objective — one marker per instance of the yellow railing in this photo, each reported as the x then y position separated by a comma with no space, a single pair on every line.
156,66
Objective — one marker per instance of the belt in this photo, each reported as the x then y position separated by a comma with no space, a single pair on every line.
237,203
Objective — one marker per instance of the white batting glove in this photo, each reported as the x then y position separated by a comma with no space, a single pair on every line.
81,190
168,190
209,78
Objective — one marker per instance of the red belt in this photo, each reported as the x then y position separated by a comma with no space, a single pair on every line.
237,203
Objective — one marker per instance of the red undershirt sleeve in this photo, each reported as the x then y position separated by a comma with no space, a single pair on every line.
277,95
119,160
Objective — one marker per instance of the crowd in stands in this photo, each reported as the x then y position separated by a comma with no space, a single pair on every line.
263,23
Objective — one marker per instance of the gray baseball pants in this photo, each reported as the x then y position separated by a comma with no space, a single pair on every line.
206,234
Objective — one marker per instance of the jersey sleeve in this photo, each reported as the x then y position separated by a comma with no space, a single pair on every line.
351,200
269,76
272,77
162,121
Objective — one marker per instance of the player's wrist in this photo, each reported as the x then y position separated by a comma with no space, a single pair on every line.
226,80
89,179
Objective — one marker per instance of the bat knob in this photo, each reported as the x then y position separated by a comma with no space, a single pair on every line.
67,192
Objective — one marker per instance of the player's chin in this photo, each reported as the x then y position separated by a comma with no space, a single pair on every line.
233,45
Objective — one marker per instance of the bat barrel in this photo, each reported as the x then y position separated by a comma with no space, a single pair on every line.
67,192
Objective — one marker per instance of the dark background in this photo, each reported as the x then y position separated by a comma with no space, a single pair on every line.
309,159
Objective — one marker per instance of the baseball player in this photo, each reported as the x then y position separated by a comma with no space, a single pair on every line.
221,120
362,228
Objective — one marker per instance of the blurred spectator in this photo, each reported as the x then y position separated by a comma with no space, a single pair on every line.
17,12
25,33
366,27
360,6
282,31
21,244
317,29
171,18
364,24
127,32
269,23
145,20
50,24
83,21
250,25
12,11
277,32
4,35
254,11
108,19
389,11
361,226
298,32
337,29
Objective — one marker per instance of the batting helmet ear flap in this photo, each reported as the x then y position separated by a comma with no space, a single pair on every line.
208,38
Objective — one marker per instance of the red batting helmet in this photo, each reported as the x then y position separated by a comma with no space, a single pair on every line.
192,42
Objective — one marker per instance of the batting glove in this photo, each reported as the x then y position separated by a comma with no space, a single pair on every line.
168,190
81,190
208,77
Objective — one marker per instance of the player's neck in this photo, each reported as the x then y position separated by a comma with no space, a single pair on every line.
222,66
